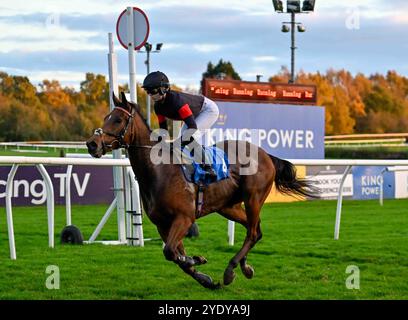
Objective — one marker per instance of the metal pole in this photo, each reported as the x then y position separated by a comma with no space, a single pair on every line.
148,48
131,54
9,212
293,48
117,154
382,187
339,203
231,232
105,218
68,195
50,203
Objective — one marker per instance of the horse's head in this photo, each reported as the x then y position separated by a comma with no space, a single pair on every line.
115,132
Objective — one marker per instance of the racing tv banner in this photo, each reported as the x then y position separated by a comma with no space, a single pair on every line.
89,185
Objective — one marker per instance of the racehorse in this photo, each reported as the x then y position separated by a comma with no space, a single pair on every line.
169,200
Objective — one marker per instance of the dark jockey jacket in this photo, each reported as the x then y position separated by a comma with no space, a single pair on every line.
179,106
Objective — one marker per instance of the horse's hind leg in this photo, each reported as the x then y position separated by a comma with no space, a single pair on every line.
237,213
246,269
252,209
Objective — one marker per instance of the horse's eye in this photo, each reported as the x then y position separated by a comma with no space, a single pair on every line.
119,120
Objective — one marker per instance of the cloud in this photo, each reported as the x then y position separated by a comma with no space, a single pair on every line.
47,36
207,47
247,33
265,58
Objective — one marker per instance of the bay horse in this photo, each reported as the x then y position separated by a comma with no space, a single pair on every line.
169,200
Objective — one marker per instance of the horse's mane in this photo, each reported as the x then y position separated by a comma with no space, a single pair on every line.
137,108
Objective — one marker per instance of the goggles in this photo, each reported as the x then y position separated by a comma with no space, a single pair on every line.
152,91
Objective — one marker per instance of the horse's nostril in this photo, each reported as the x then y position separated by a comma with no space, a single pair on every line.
92,145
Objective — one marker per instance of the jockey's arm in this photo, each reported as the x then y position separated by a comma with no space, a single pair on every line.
162,122
187,116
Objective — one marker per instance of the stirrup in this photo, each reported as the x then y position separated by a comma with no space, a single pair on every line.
209,170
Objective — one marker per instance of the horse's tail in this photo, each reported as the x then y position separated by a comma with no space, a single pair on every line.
286,181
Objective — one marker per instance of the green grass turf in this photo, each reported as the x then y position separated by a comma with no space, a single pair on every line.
42,152
297,257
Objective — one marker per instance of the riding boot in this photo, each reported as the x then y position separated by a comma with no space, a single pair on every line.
207,167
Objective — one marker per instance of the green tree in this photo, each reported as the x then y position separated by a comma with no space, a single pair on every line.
223,70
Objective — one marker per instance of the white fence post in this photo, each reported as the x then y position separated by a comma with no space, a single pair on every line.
50,203
10,224
68,211
117,154
339,203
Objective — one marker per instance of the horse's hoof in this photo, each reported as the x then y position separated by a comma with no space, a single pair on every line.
229,276
205,280
216,286
248,271
199,260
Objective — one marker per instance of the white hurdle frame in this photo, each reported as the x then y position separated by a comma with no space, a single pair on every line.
39,163
132,203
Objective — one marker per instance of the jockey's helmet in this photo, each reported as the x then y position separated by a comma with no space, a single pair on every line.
156,81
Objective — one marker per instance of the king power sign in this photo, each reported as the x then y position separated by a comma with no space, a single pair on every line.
281,118
286,131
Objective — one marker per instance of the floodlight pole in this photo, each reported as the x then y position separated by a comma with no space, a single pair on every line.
148,49
293,48
148,103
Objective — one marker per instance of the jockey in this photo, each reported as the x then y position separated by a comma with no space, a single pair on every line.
198,112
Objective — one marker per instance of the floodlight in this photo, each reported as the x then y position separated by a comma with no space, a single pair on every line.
285,28
148,46
159,46
278,5
308,5
301,28
293,6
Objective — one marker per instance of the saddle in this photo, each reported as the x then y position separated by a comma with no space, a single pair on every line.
195,173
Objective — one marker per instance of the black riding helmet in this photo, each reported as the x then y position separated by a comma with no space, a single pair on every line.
156,80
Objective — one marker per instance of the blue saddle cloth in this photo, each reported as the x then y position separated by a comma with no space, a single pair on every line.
196,174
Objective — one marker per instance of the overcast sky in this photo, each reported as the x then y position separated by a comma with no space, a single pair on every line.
55,39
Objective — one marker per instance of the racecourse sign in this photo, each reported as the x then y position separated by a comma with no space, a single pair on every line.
286,131
245,91
280,118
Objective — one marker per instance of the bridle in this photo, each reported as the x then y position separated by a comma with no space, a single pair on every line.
119,138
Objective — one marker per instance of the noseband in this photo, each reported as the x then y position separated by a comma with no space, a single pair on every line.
118,137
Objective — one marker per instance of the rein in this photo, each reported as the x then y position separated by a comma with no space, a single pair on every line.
121,135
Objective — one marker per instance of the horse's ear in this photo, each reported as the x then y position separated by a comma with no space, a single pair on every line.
123,98
116,101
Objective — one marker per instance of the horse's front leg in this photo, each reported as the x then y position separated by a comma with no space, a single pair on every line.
174,251
202,278
189,261
181,254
